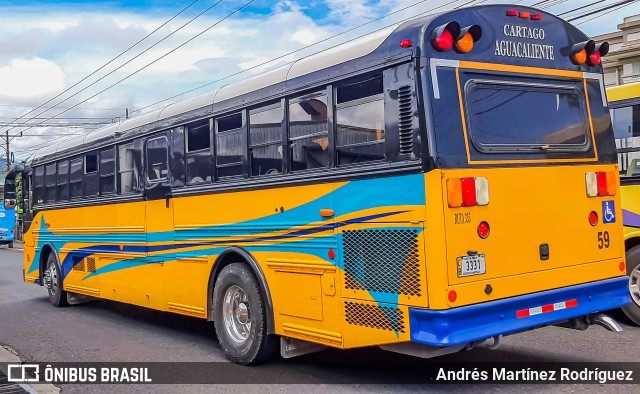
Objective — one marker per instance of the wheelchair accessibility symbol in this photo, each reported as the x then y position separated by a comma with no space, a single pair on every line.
608,212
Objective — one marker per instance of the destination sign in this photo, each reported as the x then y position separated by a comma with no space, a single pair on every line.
516,48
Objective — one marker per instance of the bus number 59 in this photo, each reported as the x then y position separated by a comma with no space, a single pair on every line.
603,239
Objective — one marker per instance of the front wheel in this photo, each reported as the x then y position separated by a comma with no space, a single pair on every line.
10,245
53,282
240,317
633,270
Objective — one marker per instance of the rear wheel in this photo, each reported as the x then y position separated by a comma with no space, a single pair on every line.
11,245
240,317
53,282
633,270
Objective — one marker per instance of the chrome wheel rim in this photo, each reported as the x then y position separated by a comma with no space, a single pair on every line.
634,285
236,314
52,280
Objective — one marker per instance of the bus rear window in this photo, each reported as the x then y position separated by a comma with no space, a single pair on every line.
507,117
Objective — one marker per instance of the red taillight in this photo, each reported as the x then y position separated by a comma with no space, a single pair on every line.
595,58
406,44
593,218
601,179
512,13
453,296
622,266
468,191
444,41
483,230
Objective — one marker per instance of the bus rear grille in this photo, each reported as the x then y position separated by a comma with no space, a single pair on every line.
405,120
386,261
379,317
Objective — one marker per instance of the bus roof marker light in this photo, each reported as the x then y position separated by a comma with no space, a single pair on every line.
443,36
406,44
525,15
536,17
512,13
468,36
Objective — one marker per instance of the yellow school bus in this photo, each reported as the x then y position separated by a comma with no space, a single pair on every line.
624,103
427,188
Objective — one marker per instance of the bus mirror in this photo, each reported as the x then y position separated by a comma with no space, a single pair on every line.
9,203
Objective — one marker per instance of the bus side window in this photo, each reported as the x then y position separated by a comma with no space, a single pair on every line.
38,184
91,179
360,120
63,180
265,140
198,148
50,182
127,173
107,171
230,145
157,159
308,136
75,179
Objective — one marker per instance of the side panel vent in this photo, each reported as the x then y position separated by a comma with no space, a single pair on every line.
78,263
91,264
405,120
386,261
379,317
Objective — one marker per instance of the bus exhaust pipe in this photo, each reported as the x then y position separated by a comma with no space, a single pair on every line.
599,319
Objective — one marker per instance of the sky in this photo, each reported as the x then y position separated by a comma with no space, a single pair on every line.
48,46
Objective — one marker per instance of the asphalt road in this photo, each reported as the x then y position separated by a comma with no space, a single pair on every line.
109,331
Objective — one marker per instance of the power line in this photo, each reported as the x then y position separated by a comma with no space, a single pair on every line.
130,60
580,8
106,64
608,12
161,57
621,3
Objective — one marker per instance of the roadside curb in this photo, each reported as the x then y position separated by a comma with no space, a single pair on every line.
8,355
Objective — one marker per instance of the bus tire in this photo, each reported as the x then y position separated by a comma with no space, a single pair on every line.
53,281
239,316
10,245
633,270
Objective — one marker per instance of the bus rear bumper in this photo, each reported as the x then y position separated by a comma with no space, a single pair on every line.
477,322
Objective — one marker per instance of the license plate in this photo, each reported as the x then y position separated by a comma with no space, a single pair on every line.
471,265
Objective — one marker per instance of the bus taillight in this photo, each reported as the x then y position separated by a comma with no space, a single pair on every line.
580,51
598,52
468,36
444,35
467,192
601,184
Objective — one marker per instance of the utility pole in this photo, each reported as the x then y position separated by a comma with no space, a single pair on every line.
8,154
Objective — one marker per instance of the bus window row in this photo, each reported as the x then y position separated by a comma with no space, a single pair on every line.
248,143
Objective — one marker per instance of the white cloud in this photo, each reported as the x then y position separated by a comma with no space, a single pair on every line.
35,78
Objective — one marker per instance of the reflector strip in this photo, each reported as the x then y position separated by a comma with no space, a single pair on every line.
546,308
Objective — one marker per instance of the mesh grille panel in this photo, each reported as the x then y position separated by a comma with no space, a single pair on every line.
380,317
382,260
78,264
91,264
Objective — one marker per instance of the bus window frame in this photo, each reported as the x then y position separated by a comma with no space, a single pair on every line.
161,179
528,148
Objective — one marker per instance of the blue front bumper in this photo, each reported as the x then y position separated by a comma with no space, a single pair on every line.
476,322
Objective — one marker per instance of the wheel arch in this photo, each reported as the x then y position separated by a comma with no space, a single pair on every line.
237,254
47,249
631,242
